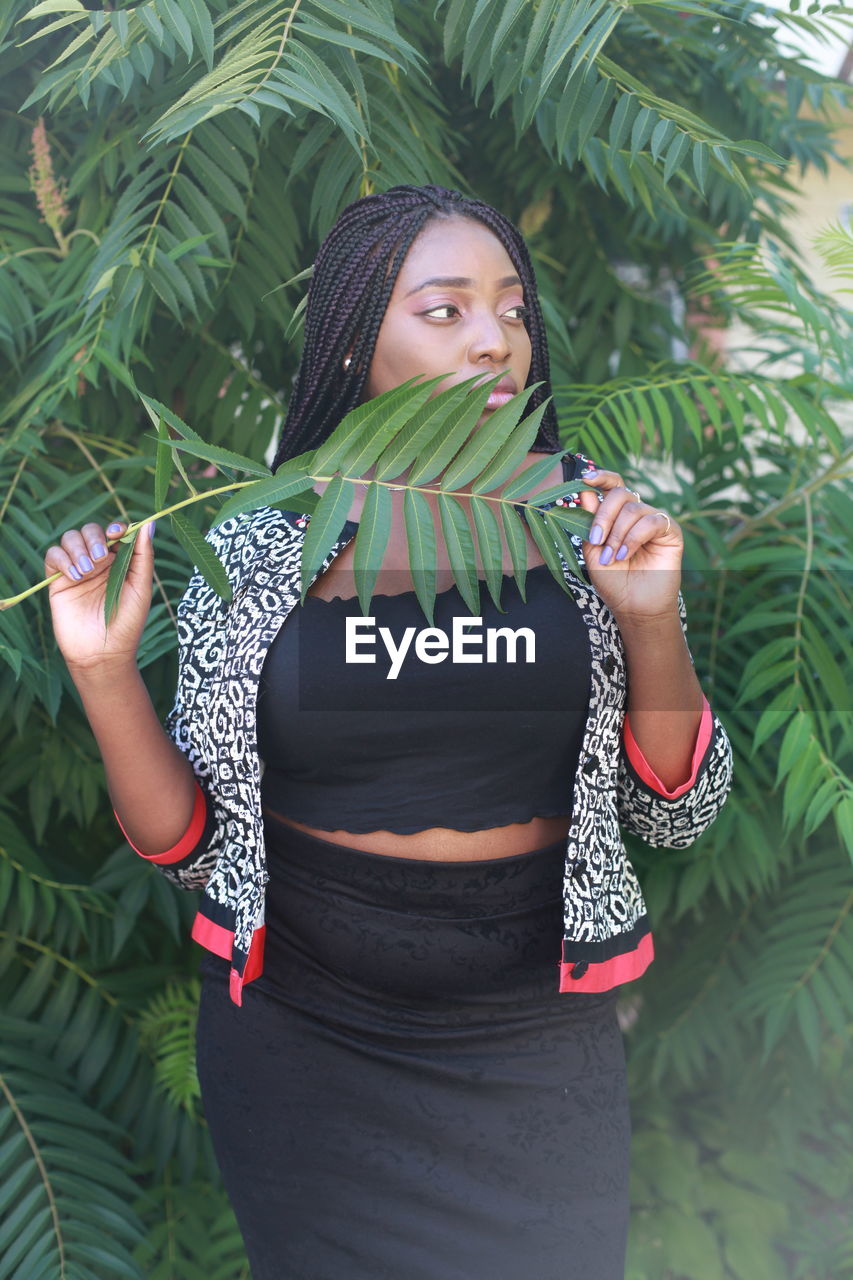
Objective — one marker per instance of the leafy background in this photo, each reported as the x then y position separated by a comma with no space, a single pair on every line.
166,170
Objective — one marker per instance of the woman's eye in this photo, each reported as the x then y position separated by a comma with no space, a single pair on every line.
451,306
445,306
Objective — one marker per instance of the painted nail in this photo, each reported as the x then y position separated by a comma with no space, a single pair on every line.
84,564
622,552
596,535
98,551
152,526
606,556
74,573
113,528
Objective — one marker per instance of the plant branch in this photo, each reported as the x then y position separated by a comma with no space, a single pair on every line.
129,532
69,964
48,884
835,471
165,196
108,485
818,960
134,528
42,1168
13,486
280,50
801,593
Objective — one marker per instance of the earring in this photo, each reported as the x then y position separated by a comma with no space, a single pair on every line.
347,362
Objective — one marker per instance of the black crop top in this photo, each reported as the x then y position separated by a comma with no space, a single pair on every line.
439,731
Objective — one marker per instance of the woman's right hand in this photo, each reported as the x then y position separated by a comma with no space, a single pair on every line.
84,557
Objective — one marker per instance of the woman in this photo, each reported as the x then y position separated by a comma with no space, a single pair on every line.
403,1073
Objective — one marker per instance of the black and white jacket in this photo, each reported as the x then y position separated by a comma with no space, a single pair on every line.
607,939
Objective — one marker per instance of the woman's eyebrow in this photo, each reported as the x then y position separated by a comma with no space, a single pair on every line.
459,282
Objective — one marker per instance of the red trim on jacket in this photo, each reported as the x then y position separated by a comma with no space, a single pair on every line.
188,840
610,973
219,940
254,966
213,937
645,771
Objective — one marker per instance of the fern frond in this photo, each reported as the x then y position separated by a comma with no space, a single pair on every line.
68,1188
835,245
631,415
167,1030
191,1231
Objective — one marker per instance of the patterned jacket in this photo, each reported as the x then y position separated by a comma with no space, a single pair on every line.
607,938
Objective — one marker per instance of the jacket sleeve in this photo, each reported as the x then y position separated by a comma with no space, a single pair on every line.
201,620
674,818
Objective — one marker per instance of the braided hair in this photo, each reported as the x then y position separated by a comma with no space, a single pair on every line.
354,275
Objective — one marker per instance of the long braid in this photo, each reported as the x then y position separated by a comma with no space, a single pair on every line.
354,275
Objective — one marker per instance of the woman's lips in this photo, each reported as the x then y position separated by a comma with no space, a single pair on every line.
500,394
497,398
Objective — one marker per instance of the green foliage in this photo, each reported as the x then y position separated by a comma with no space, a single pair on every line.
195,152
167,1029
66,1186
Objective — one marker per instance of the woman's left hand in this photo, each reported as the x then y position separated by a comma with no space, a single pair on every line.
627,537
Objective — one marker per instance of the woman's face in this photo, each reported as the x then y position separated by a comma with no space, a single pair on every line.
456,308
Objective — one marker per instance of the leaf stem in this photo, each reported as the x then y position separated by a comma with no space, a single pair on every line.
804,978
69,964
835,471
162,202
13,486
280,51
801,593
133,528
42,1168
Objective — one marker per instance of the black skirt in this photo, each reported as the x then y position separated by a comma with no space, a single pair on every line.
404,1094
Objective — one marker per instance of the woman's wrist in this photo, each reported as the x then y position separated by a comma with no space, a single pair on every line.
651,627
107,675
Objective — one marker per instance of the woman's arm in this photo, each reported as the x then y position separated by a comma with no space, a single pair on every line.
665,700
675,765
151,784
633,557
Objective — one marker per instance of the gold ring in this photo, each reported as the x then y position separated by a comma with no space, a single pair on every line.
666,518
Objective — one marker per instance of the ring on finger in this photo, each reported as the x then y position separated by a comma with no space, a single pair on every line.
667,519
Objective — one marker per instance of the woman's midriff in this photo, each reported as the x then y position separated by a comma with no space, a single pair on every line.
444,844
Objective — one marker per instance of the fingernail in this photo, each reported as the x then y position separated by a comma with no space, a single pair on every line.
113,528
606,556
99,551
622,552
73,573
152,526
84,564
596,535
589,472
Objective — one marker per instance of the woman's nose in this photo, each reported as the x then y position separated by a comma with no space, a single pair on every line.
489,338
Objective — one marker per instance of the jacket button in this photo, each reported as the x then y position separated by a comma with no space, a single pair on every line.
579,867
579,969
590,765
609,665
